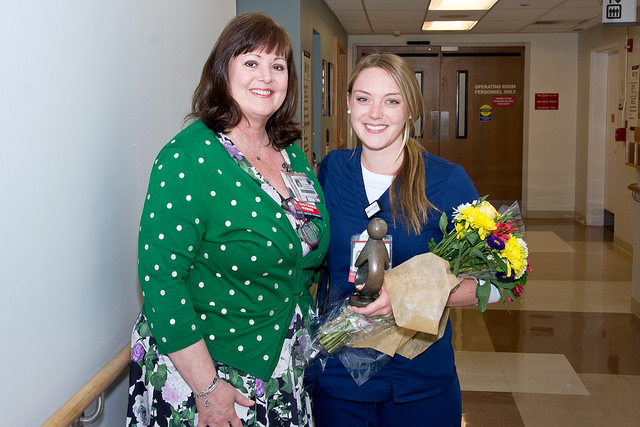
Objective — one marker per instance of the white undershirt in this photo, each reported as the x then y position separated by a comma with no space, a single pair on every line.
375,184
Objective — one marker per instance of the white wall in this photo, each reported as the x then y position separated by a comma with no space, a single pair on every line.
89,93
549,136
618,198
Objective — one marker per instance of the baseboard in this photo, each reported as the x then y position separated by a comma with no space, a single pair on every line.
623,245
551,214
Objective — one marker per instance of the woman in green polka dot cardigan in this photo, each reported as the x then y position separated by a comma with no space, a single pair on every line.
226,255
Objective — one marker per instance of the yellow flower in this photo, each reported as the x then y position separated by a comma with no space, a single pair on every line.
488,209
515,252
459,230
476,219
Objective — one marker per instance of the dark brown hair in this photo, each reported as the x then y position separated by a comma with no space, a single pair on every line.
212,101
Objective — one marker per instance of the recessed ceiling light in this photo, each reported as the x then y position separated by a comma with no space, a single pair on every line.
461,4
448,25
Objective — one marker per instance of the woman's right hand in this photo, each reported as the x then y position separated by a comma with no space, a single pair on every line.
221,411
380,307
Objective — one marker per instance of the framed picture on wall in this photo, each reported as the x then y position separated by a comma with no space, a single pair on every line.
323,87
330,89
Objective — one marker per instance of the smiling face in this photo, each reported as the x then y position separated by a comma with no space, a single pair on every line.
378,112
258,83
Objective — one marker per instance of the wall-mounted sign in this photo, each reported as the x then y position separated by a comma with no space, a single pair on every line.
504,101
619,12
547,101
485,113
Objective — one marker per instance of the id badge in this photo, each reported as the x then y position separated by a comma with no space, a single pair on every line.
357,243
300,186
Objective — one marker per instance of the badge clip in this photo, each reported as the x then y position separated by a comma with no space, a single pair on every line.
373,209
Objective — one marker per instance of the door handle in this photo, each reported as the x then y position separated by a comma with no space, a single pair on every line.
439,126
435,126
444,126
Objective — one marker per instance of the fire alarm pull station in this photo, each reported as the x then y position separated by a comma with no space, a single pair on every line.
621,134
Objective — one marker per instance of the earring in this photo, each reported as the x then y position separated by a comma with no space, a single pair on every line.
349,111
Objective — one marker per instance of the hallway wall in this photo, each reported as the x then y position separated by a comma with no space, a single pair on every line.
90,92
627,226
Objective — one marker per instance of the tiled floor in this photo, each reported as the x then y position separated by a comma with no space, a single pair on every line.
570,354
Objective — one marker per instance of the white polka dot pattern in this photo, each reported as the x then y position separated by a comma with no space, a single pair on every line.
218,258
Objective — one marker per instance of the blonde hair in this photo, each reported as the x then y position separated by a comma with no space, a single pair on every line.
407,192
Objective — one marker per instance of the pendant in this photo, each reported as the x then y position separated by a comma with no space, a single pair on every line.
257,157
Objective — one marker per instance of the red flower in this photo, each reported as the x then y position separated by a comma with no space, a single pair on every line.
503,230
517,292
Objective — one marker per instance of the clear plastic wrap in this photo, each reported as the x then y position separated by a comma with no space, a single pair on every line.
332,335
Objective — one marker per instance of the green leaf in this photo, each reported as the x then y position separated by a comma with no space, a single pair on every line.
483,293
271,387
478,253
473,238
287,386
159,377
456,267
174,421
145,330
443,223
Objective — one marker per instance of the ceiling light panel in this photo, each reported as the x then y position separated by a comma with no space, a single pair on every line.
461,4
448,25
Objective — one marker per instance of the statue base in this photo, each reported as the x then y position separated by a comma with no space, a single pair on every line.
361,300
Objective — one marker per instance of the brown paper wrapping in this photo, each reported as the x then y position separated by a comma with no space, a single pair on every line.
385,339
419,289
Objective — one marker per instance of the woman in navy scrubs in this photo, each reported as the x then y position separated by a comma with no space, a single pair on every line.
413,187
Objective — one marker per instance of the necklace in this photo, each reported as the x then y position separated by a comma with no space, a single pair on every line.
256,153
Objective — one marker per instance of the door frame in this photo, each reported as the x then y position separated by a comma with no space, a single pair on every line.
596,139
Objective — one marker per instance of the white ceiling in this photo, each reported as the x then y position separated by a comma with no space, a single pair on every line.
506,16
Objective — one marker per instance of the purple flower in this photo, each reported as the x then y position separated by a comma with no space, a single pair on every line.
259,387
175,390
137,352
504,278
232,149
495,243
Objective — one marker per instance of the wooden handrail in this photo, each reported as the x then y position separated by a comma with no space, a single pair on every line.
73,408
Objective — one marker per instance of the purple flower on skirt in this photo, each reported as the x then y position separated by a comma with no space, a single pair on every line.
495,243
259,387
137,352
175,390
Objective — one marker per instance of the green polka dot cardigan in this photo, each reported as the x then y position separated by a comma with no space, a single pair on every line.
218,258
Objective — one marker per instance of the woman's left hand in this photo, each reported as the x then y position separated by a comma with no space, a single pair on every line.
380,307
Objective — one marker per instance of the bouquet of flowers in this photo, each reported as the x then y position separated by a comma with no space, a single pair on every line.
486,244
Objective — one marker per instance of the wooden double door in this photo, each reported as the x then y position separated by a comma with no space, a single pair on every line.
473,116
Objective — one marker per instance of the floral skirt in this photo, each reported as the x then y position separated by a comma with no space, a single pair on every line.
158,396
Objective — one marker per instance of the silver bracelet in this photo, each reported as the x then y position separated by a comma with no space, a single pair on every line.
209,389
